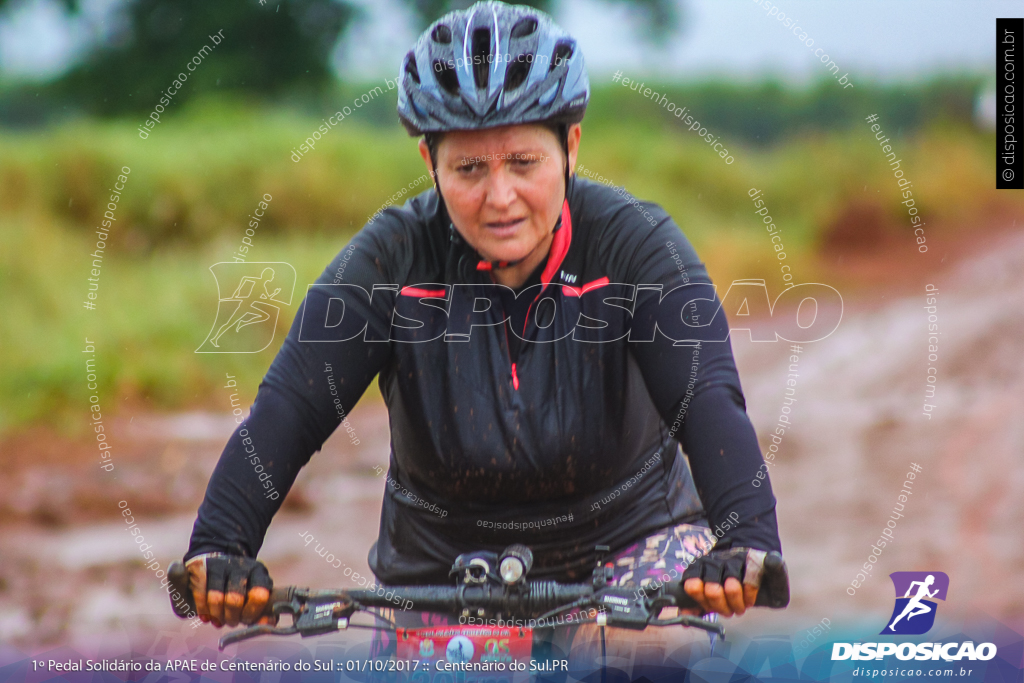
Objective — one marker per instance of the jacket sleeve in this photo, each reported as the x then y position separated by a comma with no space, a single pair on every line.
693,381
313,382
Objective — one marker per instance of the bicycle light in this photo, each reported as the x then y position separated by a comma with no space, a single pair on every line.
474,568
516,562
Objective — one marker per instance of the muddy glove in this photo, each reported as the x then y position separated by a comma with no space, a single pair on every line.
730,581
229,588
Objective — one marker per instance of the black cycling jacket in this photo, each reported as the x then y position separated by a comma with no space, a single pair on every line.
563,441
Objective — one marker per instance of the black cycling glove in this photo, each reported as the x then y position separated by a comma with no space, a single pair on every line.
751,567
234,573
221,572
719,565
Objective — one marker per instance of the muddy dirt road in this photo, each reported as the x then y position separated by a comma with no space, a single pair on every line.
69,576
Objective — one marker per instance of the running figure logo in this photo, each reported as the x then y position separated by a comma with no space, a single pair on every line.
247,318
914,614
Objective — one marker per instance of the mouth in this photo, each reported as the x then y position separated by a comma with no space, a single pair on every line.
505,228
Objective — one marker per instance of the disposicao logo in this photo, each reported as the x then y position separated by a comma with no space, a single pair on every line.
914,614
247,318
950,652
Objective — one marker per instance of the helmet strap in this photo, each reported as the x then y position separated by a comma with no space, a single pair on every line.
433,140
563,135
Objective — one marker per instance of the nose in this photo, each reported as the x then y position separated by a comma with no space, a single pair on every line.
501,191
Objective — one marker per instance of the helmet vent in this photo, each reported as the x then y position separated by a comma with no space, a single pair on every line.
441,34
563,51
524,27
517,72
445,75
410,67
481,56
491,64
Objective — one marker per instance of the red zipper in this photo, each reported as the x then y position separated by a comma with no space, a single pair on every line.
560,246
526,324
508,352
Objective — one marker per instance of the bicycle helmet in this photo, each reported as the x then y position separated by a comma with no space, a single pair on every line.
492,65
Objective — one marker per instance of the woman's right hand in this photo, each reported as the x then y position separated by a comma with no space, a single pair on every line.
229,589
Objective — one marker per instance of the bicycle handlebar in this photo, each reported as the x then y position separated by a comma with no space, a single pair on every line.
544,596
316,612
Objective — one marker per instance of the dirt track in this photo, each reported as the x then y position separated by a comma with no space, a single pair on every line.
860,422
68,574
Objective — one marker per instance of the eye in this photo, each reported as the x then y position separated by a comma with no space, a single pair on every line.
525,161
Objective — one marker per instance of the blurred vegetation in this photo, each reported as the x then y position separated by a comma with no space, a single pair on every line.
768,112
266,50
198,176
269,51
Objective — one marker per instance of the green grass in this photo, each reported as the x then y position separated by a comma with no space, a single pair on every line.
195,180
152,312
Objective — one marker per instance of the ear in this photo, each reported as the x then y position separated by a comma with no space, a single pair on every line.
574,145
425,153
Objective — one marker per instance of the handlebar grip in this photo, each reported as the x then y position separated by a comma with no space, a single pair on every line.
774,591
178,576
280,594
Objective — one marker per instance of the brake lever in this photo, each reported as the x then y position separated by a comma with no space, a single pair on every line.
253,631
293,604
687,620
312,615
656,604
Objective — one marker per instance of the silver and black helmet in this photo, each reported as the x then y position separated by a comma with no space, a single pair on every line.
492,65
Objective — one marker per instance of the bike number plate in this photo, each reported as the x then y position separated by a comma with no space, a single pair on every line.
506,649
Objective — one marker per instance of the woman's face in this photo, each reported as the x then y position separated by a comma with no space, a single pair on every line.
504,187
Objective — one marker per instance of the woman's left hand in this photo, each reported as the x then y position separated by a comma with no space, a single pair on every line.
724,581
733,598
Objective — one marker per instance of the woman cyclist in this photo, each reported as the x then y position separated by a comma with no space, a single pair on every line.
515,315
